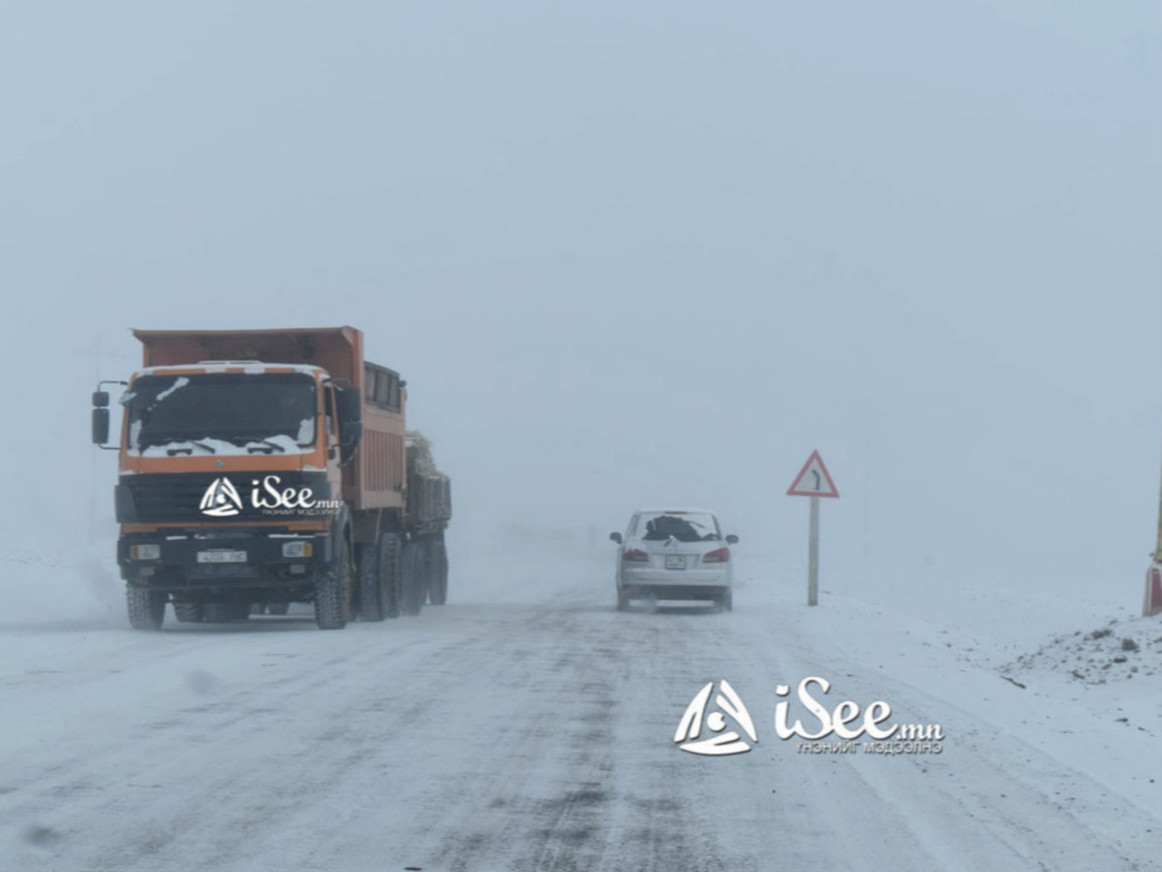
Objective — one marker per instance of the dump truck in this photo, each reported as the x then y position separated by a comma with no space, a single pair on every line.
260,468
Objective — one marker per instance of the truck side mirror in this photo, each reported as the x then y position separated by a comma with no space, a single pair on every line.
100,426
349,407
350,436
101,415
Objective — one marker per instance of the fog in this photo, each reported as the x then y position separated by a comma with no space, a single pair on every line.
627,254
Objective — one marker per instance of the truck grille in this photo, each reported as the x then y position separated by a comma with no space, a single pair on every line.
170,497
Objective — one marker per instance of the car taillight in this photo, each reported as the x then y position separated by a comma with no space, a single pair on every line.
636,555
722,555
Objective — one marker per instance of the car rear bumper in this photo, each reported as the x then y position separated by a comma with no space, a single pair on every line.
675,591
692,578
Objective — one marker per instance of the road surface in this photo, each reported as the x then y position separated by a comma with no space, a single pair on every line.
520,727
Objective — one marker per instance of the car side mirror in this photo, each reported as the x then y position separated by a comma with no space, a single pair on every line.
731,539
616,537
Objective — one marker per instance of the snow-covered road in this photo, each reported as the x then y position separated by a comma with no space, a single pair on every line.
528,725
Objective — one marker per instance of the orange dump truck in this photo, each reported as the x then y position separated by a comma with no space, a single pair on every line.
260,468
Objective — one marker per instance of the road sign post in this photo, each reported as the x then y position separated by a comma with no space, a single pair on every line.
813,556
813,481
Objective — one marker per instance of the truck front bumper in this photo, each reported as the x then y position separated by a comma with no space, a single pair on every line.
259,559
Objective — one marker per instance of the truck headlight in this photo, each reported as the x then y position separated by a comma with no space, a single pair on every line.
296,549
144,552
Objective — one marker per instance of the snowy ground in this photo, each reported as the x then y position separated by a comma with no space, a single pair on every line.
528,725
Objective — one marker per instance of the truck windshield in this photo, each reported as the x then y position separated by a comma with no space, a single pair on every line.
221,413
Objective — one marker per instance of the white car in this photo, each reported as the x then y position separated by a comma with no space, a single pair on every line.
674,554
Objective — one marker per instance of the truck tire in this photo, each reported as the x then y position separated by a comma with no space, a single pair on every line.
189,613
437,571
333,592
414,584
390,577
277,608
370,588
146,607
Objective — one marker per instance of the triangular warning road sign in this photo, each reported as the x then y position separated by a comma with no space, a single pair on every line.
813,480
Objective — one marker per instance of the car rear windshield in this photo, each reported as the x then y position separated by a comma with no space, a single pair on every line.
683,526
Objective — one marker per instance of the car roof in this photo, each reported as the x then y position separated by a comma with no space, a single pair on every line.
680,510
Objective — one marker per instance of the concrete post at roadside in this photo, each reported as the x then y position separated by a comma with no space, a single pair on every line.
1158,544
1152,599
813,481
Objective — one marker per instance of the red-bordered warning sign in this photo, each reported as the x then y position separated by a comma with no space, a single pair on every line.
813,480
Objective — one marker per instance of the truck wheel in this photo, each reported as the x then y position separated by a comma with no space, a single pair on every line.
189,613
146,607
333,591
370,590
277,608
390,577
414,586
437,572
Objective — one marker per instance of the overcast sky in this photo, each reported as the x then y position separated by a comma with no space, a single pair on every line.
629,253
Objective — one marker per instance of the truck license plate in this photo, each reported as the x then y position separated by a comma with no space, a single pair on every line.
675,561
221,556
